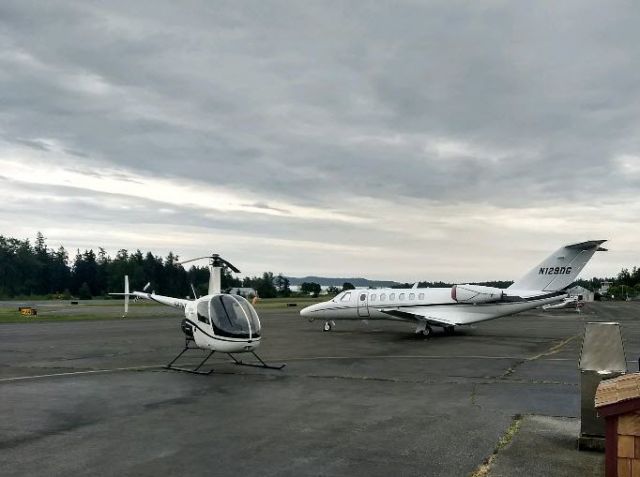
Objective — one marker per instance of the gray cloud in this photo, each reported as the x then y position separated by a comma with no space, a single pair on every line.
331,105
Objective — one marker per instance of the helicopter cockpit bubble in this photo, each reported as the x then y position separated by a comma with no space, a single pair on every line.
230,316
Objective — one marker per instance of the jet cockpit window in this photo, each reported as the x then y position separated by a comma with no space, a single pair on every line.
229,318
339,296
346,297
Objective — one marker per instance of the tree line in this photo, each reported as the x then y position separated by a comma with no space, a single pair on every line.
29,270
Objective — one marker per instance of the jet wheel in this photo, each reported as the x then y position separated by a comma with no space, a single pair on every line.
327,326
426,333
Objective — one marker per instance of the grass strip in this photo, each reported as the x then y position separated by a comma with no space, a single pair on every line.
484,469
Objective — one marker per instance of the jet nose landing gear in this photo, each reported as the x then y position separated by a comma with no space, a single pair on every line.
328,325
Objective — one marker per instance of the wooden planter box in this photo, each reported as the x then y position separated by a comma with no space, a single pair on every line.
618,401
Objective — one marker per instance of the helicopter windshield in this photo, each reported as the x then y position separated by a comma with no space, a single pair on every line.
231,316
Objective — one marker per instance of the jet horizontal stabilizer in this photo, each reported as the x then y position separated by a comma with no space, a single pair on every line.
588,245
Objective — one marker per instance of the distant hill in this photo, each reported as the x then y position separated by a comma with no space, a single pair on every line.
364,282
329,281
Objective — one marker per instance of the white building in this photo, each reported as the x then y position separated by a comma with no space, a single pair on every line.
585,293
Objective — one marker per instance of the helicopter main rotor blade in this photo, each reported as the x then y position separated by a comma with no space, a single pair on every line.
216,260
229,265
192,260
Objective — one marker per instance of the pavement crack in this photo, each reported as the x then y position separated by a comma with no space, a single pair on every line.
551,351
484,469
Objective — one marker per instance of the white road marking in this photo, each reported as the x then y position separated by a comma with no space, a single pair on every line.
74,373
310,358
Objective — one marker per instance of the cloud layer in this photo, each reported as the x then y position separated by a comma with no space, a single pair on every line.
414,140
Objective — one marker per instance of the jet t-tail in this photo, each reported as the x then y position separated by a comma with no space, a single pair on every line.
461,304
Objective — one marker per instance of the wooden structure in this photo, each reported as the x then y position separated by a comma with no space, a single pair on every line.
27,311
618,401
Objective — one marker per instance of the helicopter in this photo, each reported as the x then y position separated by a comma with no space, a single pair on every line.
216,322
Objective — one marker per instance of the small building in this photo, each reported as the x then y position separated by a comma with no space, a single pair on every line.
243,291
618,401
604,288
585,293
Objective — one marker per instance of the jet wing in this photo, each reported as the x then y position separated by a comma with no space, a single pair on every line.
418,313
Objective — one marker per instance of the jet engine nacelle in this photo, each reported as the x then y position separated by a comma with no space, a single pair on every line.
475,294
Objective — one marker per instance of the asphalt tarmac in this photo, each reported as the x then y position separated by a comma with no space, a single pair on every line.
91,398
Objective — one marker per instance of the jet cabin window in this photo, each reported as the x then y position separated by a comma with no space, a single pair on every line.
401,297
383,297
421,296
412,296
363,297
392,297
372,297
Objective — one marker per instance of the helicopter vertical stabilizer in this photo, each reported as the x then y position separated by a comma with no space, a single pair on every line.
126,295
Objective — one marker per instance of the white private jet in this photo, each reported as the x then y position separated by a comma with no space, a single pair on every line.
460,304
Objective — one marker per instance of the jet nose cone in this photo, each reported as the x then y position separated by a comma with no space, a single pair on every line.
308,312
305,312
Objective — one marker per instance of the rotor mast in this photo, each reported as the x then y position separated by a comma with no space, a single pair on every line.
216,264
215,275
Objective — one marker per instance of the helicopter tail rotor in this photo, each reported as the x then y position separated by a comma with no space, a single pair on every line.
126,295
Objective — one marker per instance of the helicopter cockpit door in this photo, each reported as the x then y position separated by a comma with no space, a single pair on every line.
232,317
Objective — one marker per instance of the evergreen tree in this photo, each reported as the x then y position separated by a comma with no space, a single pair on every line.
282,285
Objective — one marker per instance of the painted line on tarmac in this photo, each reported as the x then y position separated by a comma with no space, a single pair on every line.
310,358
76,373
315,358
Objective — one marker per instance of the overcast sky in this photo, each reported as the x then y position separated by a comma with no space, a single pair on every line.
415,140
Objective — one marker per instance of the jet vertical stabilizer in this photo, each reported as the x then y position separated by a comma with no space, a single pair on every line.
560,269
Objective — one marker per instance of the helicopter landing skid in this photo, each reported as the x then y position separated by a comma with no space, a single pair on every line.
255,365
186,370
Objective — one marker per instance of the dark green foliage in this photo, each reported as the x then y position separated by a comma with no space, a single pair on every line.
311,288
282,285
347,286
84,292
40,271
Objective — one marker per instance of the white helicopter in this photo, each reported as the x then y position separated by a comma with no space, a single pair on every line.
215,322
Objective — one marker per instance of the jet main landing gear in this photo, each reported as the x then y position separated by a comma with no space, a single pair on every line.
424,330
